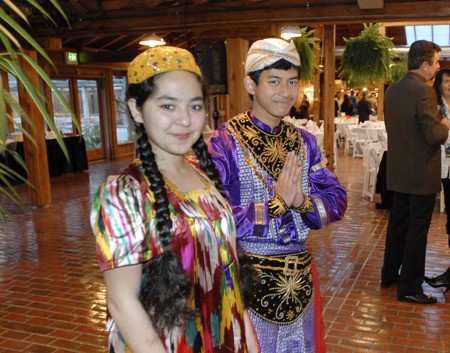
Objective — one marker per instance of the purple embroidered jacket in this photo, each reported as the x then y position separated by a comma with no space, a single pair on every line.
249,195
250,186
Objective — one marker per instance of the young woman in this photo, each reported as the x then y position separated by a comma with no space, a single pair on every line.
165,235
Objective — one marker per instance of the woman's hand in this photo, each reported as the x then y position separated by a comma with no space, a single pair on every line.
250,335
122,298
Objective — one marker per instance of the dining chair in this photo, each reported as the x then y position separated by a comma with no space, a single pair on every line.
349,139
371,163
361,139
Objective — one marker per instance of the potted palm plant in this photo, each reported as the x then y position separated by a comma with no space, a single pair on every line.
12,34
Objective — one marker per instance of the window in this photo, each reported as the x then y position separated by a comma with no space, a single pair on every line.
439,34
62,118
13,90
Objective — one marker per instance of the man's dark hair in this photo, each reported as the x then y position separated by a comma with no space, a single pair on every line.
421,51
281,64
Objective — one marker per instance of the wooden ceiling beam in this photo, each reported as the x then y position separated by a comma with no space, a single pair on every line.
111,42
188,23
157,20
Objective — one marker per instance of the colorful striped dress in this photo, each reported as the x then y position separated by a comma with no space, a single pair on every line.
203,236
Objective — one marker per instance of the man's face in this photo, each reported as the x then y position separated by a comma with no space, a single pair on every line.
275,94
431,70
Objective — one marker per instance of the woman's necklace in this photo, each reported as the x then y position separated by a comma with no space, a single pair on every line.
183,195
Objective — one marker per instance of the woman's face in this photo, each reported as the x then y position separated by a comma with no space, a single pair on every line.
174,115
445,87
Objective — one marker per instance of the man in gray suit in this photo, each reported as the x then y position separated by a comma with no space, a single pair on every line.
415,135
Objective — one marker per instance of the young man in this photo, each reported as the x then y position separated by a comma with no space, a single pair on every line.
279,188
415,137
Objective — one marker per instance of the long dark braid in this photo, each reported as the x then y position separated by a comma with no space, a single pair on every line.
206,164
165,286
249,276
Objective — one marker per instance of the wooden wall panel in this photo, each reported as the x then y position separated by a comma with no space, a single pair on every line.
238,98
328,94
35,153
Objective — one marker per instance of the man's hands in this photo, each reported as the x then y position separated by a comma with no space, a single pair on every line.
289,184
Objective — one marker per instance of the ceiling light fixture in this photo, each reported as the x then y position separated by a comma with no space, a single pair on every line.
289,32
152,40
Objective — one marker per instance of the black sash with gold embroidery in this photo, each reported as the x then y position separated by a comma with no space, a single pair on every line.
270,150
285,286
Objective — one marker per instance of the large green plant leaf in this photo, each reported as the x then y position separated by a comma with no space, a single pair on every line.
3,122
12,34
24,34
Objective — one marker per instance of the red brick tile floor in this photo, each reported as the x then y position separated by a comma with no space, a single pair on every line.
52,297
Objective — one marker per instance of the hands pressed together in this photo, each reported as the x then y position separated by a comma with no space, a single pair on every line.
289,183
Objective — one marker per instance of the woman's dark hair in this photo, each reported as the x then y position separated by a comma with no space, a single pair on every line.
438,82
166,286
281,64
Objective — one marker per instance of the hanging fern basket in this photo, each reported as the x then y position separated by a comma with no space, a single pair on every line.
367,58
305,45
399,68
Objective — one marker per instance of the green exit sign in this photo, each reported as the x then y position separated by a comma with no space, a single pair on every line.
71,57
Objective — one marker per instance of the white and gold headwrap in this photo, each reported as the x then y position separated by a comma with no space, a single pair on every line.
265,52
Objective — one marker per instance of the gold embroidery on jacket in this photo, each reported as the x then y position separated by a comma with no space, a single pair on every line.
270,150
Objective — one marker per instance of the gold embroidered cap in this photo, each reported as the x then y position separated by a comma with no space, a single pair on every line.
161,59
267,51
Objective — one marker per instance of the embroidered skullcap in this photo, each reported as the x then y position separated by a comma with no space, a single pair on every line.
265,52
161,59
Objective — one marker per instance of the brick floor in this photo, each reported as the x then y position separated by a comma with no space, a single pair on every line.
52,297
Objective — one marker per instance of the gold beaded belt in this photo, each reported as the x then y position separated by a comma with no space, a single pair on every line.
285,286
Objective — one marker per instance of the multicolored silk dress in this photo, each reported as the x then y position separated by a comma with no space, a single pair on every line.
249,155
203,236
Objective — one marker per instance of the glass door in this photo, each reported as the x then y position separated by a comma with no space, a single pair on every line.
90,115
83,95
61,116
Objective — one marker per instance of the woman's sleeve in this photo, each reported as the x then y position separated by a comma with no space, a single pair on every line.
118,219
328,196
253,218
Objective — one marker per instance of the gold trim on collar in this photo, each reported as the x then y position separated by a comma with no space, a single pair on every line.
270,150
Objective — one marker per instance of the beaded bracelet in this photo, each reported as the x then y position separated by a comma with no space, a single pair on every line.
277,206
306,206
